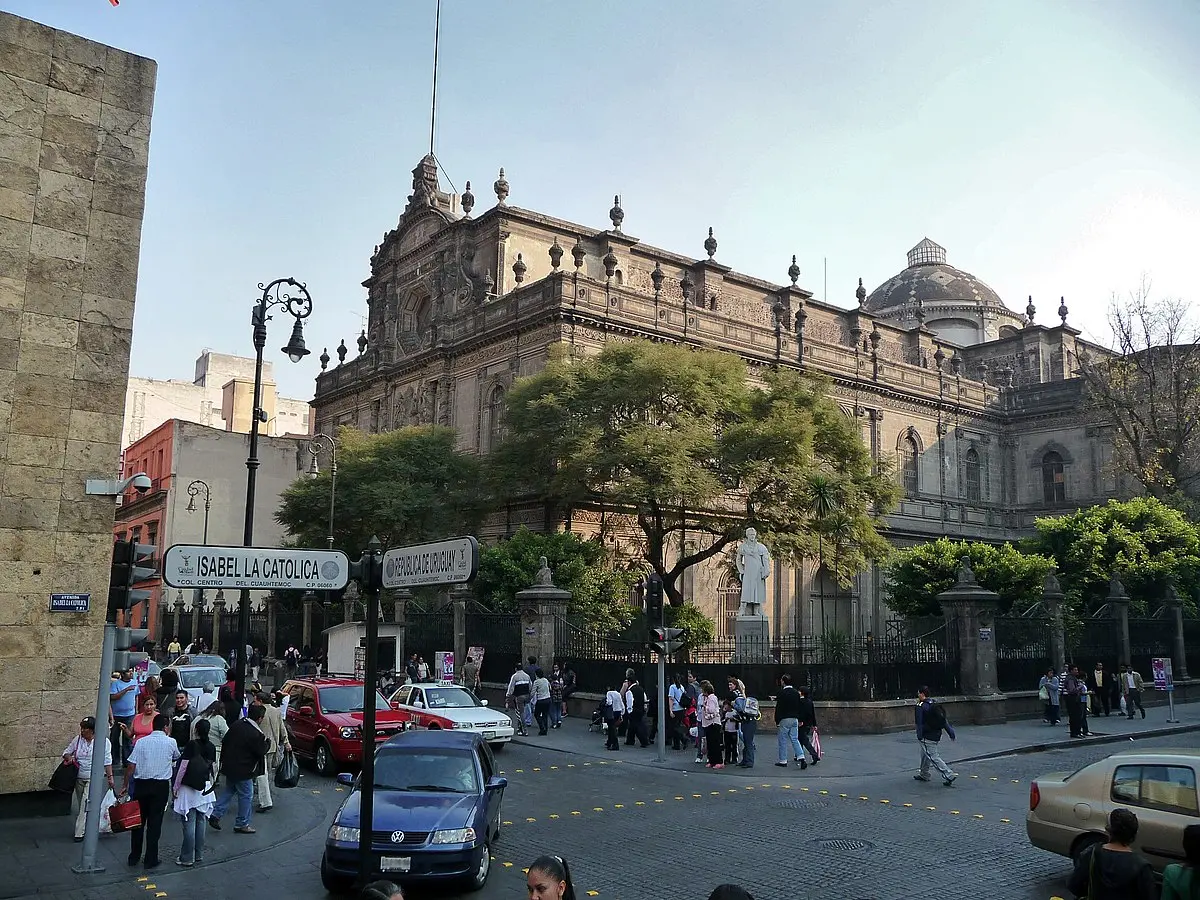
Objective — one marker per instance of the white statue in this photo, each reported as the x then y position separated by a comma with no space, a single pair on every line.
753,565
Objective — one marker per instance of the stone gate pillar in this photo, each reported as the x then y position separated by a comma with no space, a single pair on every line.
459,604
197,609
400,613
1118,608
540,606
1174,607
218,611
176,613
1052,596
971,609
306,624
272,614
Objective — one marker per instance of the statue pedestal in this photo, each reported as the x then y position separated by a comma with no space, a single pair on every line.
752,640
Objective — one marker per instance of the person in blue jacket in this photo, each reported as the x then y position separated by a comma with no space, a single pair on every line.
931,722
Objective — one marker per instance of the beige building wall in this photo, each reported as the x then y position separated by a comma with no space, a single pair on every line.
74,143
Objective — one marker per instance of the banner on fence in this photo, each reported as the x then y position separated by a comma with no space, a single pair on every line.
360,662
444,662
476,653
1164,677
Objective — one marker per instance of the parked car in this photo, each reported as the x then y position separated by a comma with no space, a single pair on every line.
1068,812
436,816
193,678
449,706
324,721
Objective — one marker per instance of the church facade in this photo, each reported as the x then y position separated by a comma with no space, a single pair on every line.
976,405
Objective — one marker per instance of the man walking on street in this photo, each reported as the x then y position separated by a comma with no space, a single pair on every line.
149,770
272,726
1131,687
637,712
1073,690
696,695
931,722
1100,687
242,754
122,697
787,722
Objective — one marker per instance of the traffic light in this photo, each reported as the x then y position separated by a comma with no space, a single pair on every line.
666,641
654,598
124,640
128,571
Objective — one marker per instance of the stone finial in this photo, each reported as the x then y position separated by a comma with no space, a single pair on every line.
875,337
710,244
861,293
610,263
1030,311
939,357
656,277
341,352
544,578
920,312
324,357
519,268
362,342
500,186
1051,587
966,575
781,313
556,252
616,214
1062,309
467,200
685,286
1116,589
487,286
1171,596
956,364
800,316
579,252
794,271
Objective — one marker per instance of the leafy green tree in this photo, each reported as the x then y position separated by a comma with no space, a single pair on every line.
1148,543
679,439
599,591
915,576
405,486
698,629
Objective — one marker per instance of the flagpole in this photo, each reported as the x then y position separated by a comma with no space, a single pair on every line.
437,30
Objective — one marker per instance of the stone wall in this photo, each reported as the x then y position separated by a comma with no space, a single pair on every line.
74,142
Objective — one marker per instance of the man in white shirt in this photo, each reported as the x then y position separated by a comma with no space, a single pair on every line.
151,765
614,711
79,753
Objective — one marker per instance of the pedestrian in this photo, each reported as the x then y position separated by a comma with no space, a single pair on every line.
410,669
149,688
635,704
569,686
614,711
143,722
168,684
697,695
79,754
173,648
255,663
122,699
1073,690
540,696
517,694
206,698
382,890
193,792
422,669
1113,870
729,726
675,694
1100,687
527,709
1048,691
931,722
1131,687
242,754
556,697
787,722
214,714
291,661
470,674
549,878
1181,881
710,722
687,720
272,727
181,718
808,729
149,772
748,715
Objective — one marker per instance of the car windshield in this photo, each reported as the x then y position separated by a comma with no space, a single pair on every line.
432,770
197,678
449,697
348,698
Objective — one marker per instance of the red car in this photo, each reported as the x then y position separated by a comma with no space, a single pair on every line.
324,721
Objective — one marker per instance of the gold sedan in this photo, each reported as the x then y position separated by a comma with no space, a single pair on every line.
1067,813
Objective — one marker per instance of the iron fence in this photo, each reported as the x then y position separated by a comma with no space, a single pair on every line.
499,634
1092,640
1149,638
1024,651
1191,642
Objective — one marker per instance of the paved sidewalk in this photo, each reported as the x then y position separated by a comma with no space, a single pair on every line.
881,754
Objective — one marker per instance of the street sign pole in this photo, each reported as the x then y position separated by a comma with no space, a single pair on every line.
664,709
97,786
372,572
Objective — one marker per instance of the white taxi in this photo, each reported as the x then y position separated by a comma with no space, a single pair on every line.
448,706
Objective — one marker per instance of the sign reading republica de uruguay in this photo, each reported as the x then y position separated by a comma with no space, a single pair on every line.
255,568
443,562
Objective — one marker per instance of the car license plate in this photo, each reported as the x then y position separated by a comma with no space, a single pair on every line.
489,735
395,863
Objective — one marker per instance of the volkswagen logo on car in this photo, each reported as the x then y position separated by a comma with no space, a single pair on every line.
397,837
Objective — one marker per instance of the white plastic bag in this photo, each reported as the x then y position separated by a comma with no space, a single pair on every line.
106,804
1124,711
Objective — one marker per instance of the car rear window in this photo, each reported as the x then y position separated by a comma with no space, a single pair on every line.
427,770
1165,788
197,678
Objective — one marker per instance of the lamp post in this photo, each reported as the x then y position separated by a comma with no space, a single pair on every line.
195,488
314,447
294,298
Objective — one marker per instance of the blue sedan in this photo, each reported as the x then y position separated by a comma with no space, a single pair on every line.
437,813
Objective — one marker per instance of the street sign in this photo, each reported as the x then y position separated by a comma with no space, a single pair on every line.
443,562
255,568
73,603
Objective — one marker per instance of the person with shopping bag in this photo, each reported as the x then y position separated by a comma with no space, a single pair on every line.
193,792
272,727
79,755
149,772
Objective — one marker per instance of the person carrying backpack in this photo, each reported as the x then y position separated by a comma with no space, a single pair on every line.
931,722
193,792
748,715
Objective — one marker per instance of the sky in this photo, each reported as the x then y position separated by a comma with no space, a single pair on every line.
1050,147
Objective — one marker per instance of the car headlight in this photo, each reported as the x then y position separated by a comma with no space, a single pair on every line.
462,724
452,836
351,731
344,835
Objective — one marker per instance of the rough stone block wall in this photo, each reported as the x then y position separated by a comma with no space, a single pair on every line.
74,142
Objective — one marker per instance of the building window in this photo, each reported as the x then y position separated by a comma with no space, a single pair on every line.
909,458
495,429
1054,486
971,476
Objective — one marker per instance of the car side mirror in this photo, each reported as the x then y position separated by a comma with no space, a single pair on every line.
483,703
345,778
496,783
395,704
307,712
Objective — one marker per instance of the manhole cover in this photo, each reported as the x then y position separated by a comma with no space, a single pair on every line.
802,804
843,844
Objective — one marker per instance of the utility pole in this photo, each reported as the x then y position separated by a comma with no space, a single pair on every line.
369,571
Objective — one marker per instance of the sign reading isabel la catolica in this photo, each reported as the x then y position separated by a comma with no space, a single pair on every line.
255,568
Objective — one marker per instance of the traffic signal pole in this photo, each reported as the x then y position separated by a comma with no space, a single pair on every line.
97,786
370,569
664,707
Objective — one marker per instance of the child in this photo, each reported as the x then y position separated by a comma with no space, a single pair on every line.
729,714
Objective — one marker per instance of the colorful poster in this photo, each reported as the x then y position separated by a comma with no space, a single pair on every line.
476,653
444,660
1164,677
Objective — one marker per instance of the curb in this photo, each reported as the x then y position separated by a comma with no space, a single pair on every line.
1082,742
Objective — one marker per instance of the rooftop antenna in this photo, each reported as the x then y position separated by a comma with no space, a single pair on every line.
825,291
437,31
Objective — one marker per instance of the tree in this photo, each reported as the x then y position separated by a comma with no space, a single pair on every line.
1146,542
405,486
598,590
678,439
1148,388
916,576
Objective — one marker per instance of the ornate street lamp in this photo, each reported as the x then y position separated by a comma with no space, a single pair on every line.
314,448
293,296
194,489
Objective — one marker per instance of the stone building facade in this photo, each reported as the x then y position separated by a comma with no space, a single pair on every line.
74,143
975,405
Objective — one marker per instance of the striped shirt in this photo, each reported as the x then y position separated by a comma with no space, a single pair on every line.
154,757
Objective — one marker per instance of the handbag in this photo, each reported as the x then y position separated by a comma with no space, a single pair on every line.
125,816
287,773
64,778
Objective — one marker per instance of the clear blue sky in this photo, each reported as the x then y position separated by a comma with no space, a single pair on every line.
1051,147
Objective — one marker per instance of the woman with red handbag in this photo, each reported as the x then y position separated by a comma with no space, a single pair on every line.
79,754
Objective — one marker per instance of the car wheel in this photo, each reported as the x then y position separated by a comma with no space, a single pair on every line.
335,884
496,748
1082,843
499,817
324,759
477,880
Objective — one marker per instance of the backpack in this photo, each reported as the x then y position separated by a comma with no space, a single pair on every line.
750,711
198,770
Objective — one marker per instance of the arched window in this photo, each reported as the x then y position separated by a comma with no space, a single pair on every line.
971,476
909,462
1054,485
495,417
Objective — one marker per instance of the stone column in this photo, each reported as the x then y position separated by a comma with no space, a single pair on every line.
1052,596
399,613
459,602
197,609
272,611
1175,609
1118,608
177,613
971,610
540,605
348,599
306,623
218,609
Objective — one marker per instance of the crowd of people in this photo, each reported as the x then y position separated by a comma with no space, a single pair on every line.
1083,696
536,696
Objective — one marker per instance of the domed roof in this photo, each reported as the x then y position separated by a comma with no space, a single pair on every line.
930,279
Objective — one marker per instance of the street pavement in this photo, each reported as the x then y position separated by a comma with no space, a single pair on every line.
633,830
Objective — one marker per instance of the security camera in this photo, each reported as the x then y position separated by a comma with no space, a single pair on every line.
141,483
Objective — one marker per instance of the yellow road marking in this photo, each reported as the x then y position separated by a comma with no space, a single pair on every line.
575,812
861,798
618,806
954,812
554,815
507,865
593,893
1006,821
597,809
506,823
908,806
823,792
143,878
659,800
885,801
530,819
697,796
931,808
977,816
